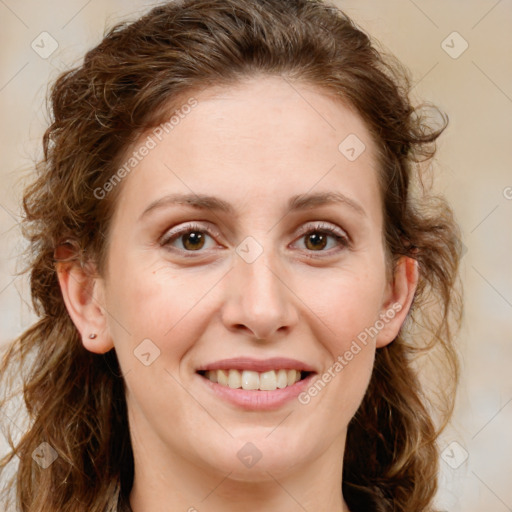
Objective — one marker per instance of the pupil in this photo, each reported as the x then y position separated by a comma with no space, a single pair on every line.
193,240
317,241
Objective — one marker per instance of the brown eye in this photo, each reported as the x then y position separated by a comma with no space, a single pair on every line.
193,240
323,239
190,238
316,241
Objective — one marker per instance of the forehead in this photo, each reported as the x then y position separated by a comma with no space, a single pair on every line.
262,139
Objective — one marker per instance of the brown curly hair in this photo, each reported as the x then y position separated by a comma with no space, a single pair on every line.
75,399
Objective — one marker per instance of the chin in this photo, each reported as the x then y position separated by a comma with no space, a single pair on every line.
252,458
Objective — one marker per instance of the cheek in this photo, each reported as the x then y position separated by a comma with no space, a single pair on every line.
347,303
348,309
156,303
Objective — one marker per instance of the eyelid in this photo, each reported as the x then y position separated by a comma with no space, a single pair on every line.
185,228
343,239
323,226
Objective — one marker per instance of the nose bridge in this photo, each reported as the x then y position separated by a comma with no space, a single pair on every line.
262,302
262,281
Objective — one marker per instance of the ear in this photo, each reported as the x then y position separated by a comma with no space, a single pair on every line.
398,300
83,293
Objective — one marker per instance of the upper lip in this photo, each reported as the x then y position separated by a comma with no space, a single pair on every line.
257,365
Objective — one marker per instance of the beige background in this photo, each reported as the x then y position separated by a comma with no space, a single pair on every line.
474,171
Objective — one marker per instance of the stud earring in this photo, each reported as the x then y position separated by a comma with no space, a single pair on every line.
93,336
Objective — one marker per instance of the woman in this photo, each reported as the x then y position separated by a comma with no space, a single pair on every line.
227,240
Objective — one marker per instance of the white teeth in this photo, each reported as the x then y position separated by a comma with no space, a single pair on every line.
268,381
282,379
222,377
250,380
234,379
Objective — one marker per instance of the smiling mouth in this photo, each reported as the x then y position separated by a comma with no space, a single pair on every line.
255,381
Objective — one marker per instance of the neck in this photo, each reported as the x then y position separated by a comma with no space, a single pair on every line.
164,483
226,495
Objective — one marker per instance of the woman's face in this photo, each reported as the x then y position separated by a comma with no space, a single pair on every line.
247,243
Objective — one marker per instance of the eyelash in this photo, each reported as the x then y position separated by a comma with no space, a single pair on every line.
340,237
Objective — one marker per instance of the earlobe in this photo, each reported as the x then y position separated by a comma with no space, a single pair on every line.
84,297
399,300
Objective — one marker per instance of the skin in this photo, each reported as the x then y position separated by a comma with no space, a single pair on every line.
253,145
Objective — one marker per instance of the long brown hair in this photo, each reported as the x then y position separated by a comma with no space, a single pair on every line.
75,399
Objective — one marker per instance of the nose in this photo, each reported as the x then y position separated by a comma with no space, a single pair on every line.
259,301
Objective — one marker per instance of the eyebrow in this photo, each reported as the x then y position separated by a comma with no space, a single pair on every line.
212,203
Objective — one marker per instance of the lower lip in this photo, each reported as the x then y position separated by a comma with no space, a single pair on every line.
255,400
